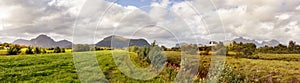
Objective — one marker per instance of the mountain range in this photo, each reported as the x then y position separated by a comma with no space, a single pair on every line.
44,41
117,42
271,43
47,42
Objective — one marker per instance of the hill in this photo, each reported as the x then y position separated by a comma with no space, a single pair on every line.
121,42
45,42
264,43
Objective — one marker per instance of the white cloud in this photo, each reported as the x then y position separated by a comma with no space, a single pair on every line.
256,19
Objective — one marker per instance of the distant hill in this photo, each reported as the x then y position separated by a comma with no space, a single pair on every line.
44,41
241,39
270,43
264,43
121,42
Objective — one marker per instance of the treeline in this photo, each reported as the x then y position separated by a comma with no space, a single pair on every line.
292,48
242,49
246,49
86,47
15,49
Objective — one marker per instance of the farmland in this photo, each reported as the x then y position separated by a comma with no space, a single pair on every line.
60,68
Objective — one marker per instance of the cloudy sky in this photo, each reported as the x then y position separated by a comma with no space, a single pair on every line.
167,21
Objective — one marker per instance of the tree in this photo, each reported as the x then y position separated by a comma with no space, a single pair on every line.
37,50
57,50
14,50
249,49
164,48
29,50
63,50
292,46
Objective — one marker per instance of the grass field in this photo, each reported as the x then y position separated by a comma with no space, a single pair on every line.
60,68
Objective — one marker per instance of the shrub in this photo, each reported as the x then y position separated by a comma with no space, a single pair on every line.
63,50
57,50
29,50
14,50
133,49
44,51
37,50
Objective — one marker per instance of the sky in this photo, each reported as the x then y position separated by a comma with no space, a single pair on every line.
166,21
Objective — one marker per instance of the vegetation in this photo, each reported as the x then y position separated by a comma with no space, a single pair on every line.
37,50
292,48
29,50
57,50
246,63
14,50
242,50
82,48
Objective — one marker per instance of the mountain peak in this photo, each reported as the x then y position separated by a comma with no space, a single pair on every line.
115,37
42,36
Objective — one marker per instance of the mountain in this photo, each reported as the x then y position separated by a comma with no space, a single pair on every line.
241,39
44,41
264,43
63,44
121,42
270,43
22,42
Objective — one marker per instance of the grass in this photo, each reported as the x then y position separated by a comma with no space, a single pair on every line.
285,57
38,68
61,68
266,70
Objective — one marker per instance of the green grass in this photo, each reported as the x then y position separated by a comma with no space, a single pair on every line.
38,68
61,68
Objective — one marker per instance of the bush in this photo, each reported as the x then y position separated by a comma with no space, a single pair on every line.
63,50
57,50
133,49
37,50
44,51
50,48
14,50
29,50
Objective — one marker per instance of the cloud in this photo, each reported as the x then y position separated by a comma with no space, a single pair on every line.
191,21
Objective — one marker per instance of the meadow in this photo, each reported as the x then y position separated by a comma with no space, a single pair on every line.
60,68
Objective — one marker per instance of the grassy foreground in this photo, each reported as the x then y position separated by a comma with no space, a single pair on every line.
60,68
